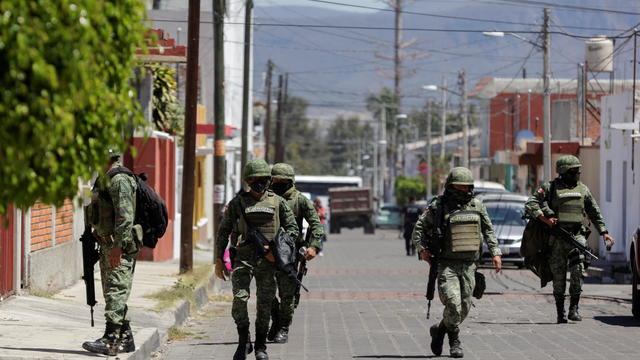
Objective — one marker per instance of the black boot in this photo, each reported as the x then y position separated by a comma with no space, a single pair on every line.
244,344
437,332
261,347
562,319
282,336
108,344
455,347
573,308
126,339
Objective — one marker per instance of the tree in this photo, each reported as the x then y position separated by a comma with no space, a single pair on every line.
66,92
407,187
168,114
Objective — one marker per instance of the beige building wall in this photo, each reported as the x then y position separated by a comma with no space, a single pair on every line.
590,158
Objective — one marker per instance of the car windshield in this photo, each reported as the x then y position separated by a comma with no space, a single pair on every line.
506,213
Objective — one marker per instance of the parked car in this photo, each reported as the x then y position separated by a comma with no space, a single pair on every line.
635,274
389,216
482,187
506,211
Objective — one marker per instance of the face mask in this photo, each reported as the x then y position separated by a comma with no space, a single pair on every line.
571,177
459,196
260,185
281,187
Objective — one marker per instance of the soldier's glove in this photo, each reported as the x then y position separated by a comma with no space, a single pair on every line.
221,271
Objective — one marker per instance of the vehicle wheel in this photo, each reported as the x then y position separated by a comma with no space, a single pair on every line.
369,228
635,292
520,265
334,227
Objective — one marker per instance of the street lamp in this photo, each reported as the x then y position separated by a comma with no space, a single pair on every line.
545,46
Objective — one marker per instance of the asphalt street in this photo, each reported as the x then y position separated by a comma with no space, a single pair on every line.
367,302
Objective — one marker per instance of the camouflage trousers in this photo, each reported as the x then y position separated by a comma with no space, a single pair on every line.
286,291
246,267
564,256
116,284
456,280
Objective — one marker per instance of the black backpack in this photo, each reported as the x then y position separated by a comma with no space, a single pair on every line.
151,210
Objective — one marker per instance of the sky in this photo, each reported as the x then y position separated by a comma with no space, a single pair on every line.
326,6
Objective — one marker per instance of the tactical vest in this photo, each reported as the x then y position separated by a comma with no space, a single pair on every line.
263,216
568,204
465,231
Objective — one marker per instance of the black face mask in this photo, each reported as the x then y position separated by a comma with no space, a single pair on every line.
458,196
571,178
281,187
260,185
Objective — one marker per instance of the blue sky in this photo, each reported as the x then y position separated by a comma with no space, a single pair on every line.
326,6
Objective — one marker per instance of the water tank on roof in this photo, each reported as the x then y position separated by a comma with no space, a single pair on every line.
598,54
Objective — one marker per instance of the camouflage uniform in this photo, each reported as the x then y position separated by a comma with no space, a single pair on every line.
302,209
467,224
267,214
570,202
111,214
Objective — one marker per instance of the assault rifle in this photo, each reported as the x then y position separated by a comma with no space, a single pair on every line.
90,257
434,249
567,236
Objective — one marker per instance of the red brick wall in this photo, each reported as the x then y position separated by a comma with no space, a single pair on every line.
64,223
41,226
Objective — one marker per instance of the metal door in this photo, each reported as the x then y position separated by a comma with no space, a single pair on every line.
6,254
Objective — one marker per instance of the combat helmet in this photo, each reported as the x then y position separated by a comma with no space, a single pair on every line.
113,154
283,171
256,168
459,176
567,162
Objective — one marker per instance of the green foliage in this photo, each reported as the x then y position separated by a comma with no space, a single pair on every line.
346,139
168,115
66,96
406,187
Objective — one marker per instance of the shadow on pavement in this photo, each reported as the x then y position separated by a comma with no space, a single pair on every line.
216,343
618,320
514,323
394,357
56,351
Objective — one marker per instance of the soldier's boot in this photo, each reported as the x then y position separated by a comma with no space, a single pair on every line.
275,322
562,319
261,347
126,339
282,336
455,347
437,332
244,344
108,344
573,308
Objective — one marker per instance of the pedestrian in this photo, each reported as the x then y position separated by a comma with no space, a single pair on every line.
464,223
262,210
322,214
411,213
563,203
303,209
111,214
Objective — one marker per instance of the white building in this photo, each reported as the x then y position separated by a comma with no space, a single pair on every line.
619,173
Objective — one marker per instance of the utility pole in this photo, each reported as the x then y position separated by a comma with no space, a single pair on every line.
219,171
443,125
267,122
376,171
462,80
428,145
189,155
383,150
245,83
397,44
279,124
546,107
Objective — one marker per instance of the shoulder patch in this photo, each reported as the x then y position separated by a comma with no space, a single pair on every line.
541,191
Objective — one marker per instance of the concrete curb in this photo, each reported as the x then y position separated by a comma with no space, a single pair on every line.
149,340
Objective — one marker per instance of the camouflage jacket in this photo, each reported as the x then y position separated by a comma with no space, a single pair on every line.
535,205
233,216
423,232
113,208
303,209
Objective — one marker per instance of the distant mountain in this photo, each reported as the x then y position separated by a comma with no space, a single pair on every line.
335,69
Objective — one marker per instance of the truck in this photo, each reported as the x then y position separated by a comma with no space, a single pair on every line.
351,207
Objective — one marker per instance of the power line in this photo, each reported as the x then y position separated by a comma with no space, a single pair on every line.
569,7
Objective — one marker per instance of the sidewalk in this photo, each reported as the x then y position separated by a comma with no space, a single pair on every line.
55,327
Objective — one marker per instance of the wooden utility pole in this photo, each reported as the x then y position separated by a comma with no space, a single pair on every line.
462,81
546,104
246,83
279,121
267,122
219,171
429,167
189,155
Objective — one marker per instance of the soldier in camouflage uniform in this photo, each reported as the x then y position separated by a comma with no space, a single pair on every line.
284,185
566,207
111,214
266,212
466,224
